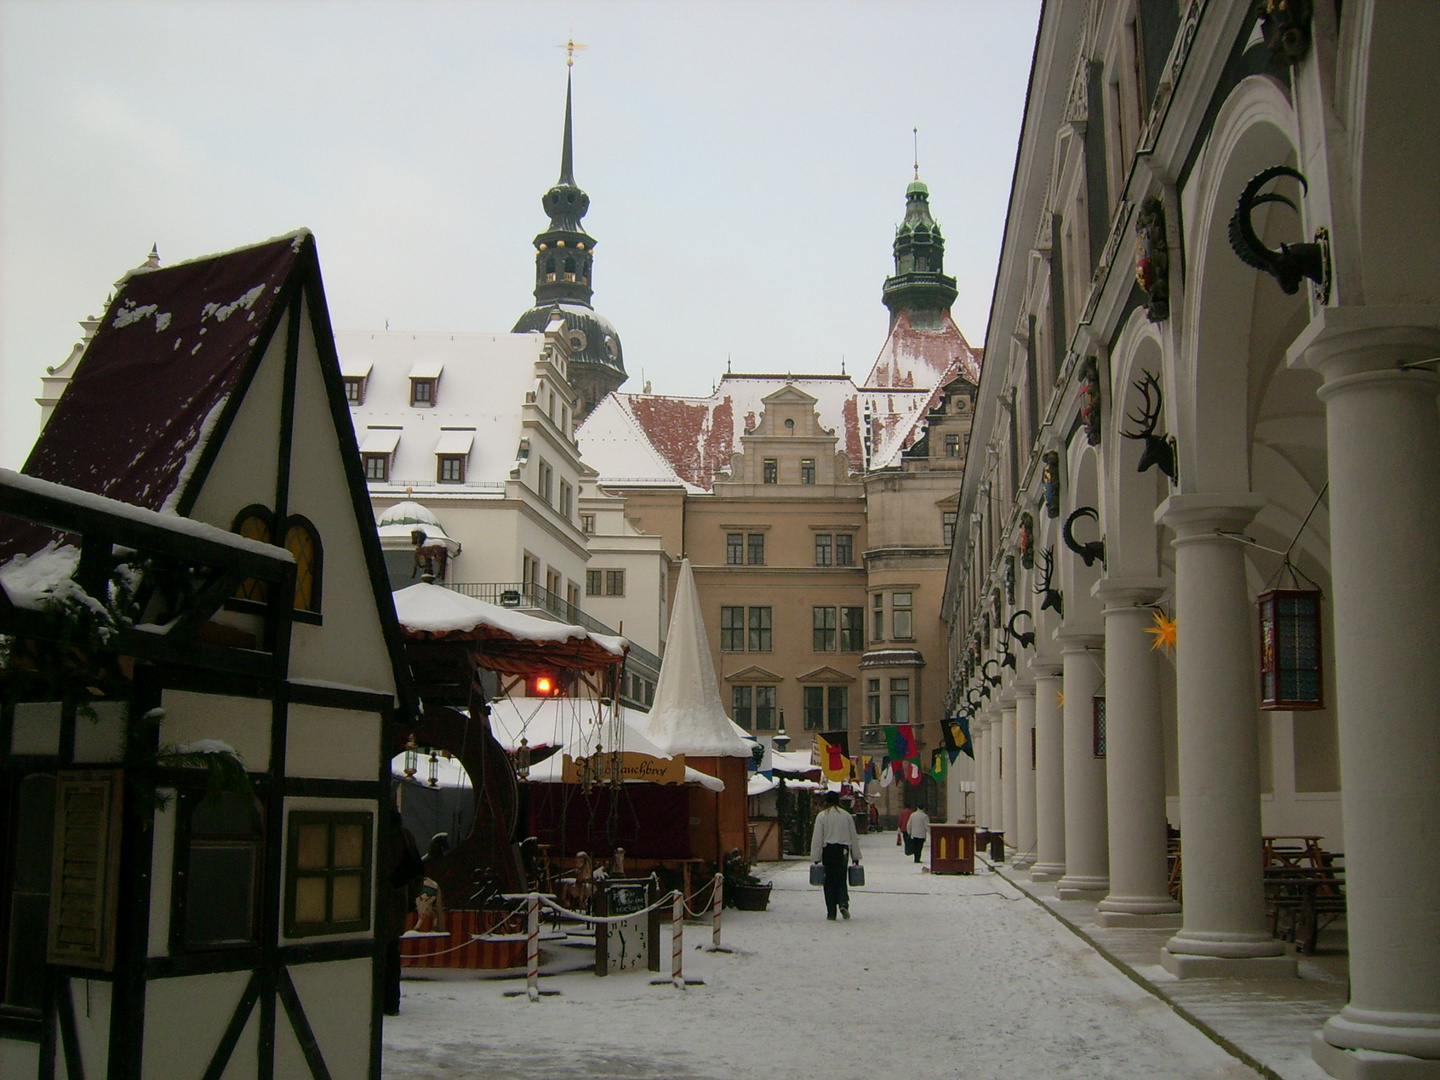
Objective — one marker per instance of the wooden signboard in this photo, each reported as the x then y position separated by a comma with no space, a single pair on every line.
653,770
85,871
631,944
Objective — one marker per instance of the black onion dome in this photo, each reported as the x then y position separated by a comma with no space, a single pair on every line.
593,340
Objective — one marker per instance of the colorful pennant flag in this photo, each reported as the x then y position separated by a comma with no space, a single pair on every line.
887,773
834,752
957,737
868,771
912,772
939,764
900,739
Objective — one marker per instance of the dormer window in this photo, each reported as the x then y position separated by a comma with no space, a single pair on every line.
424,384
377,452
356,377
452,453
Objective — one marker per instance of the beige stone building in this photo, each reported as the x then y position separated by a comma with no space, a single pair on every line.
817,514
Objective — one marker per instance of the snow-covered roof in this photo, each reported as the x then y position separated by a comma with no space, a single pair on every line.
581,727
924,359
686,716
433,609
146,396
652,439
486,378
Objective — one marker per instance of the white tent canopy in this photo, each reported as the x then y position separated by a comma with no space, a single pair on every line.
686,716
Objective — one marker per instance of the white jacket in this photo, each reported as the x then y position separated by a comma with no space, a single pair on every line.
834,826
919,825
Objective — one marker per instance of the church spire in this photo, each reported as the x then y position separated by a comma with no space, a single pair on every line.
564,251
564,258
919,287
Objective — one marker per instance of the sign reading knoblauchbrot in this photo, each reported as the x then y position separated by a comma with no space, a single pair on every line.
599,768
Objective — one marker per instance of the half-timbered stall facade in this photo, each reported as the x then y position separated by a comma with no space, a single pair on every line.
1192,601
201,664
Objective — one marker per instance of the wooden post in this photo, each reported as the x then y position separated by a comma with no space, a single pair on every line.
717,900
532,946
677,939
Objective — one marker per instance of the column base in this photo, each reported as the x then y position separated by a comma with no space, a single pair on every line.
1022,862
1190,966
1409,1034
1047,871
1370,1064
1151,920
1079,887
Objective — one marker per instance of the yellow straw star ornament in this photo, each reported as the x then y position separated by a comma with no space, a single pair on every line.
1164,632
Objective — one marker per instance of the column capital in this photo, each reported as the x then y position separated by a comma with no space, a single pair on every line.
1201,516
1123,593
1343,341
1080,640
1046,671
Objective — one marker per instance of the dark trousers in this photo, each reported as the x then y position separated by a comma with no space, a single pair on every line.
917,845
835,857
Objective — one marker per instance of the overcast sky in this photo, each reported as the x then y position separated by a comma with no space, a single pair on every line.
746,163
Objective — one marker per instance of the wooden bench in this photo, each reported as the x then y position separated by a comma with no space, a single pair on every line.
1302,900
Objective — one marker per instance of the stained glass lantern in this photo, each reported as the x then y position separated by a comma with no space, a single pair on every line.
1290,663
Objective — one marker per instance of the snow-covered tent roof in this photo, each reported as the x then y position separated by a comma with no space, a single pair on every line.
686,716
514,643
575,725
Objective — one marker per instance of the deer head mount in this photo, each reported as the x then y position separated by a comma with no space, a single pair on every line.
993,680
1026,637
1159,449
1092,549
1054,598
1007,658
1292,263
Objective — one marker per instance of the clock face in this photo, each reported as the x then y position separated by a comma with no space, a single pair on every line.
628,943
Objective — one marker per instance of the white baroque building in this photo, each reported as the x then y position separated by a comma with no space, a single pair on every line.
1299,401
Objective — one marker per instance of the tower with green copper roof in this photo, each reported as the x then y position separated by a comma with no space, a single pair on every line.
919,286
564,260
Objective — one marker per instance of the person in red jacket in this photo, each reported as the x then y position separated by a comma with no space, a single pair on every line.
903,837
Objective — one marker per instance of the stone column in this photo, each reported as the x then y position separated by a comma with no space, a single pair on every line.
1384,457
1087,858
982,770
1009,770
997,790
1224,932
1024,776
1135,761
1049,777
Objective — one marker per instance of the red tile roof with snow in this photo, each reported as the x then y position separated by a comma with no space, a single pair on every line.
924,358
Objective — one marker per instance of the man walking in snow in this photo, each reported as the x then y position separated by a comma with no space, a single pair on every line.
835,842
918,830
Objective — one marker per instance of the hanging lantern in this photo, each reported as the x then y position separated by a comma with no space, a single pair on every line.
434,769
522,759
411,760
1290,670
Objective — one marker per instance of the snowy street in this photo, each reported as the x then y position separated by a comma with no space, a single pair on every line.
935,976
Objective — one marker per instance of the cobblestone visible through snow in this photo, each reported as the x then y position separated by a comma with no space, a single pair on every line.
935,976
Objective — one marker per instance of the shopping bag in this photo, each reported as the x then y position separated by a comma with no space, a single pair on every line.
857,874
817,874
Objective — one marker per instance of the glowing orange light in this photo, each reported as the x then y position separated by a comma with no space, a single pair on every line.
543,686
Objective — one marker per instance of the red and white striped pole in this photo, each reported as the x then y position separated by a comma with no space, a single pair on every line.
717,900
677,939
532,946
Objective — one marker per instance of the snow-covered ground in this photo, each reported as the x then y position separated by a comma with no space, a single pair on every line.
935,976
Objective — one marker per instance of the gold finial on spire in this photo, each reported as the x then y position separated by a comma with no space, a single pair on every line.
915,134
570,46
